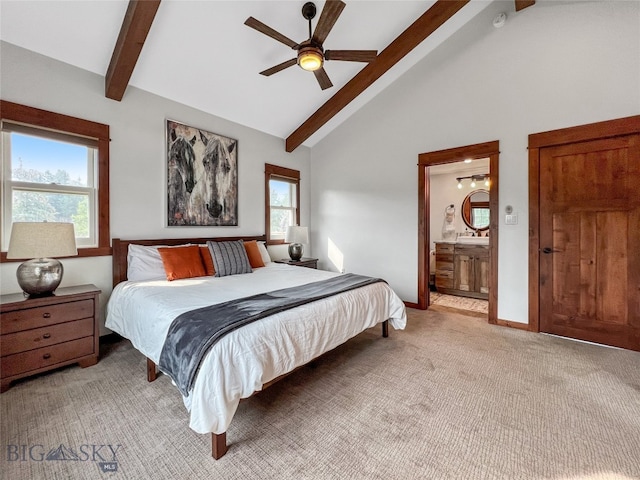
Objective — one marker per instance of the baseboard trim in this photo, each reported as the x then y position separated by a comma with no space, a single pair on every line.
510,324
411,305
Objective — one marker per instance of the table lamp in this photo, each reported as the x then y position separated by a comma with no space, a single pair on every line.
296,236
39,241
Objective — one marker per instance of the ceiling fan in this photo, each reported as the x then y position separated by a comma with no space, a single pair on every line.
311,54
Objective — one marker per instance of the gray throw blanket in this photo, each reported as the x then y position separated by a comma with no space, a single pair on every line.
192,333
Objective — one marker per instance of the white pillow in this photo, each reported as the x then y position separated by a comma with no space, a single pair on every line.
264,253
144,263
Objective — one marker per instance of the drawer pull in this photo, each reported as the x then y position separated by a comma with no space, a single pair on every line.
46,335
46,315
46,356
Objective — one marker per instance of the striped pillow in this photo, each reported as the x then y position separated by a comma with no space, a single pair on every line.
229,258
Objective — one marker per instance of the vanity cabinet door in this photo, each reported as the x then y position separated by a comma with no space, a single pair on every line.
464,276
471,270
482,273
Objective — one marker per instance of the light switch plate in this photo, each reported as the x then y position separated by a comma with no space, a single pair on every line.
511,219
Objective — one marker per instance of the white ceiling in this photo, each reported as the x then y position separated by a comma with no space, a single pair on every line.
480,165
201,54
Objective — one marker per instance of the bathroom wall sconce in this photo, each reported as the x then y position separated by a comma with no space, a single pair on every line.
474,178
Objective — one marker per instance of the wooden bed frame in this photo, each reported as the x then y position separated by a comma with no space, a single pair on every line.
120,249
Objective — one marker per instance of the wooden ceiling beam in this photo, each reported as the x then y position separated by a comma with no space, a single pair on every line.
522,4
424,26
133,33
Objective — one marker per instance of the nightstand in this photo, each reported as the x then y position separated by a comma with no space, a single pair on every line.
303,262
43,333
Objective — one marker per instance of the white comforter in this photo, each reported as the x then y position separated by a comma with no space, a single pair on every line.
245,359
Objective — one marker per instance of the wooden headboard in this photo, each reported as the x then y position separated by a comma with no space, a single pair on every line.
120,249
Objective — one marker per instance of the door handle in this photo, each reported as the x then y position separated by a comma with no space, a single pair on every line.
549,250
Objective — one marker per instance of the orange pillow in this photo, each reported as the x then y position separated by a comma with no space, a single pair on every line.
253,252
207,261
182,262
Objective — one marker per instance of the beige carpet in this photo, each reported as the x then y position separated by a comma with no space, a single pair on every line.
450,397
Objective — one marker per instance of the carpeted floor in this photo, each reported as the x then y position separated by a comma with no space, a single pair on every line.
452,397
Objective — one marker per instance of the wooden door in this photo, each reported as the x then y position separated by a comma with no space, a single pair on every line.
590,241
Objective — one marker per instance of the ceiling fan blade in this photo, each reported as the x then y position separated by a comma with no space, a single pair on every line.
270,32
330,13
277,68
323,79
351,55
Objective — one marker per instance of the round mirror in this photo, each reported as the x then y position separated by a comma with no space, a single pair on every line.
475,210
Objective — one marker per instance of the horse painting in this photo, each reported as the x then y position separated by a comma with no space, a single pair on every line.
220,179
202,177
181,178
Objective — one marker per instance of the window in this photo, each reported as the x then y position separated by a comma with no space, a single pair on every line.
480,217
49,179
282,198
55,168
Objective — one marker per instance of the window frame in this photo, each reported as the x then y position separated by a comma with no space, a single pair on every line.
10,186
56,122
274,172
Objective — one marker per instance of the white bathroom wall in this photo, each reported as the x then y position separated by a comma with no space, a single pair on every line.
444,191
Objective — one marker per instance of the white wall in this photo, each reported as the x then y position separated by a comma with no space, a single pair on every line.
444,191
137,156
553,65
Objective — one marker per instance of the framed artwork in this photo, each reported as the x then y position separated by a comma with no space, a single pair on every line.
202,177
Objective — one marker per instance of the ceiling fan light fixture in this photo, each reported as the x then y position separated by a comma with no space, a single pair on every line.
310,59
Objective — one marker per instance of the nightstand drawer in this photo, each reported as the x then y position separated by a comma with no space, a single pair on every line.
47,356
27,319
45,336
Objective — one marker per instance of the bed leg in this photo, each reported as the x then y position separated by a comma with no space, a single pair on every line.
151,371
385,328
218,445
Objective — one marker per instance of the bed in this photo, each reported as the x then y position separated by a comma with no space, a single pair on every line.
250,358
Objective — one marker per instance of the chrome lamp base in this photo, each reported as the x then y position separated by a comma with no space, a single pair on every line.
295,251
39,277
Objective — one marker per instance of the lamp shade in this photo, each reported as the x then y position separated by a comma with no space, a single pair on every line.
297,234
42,239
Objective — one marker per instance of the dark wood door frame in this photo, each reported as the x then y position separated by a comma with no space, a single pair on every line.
537,141
426,160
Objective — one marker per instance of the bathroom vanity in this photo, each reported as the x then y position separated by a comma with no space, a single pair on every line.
462,267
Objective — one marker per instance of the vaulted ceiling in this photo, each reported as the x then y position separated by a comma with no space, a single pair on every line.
201,54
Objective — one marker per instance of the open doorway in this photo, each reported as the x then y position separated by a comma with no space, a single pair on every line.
469,270
459,195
